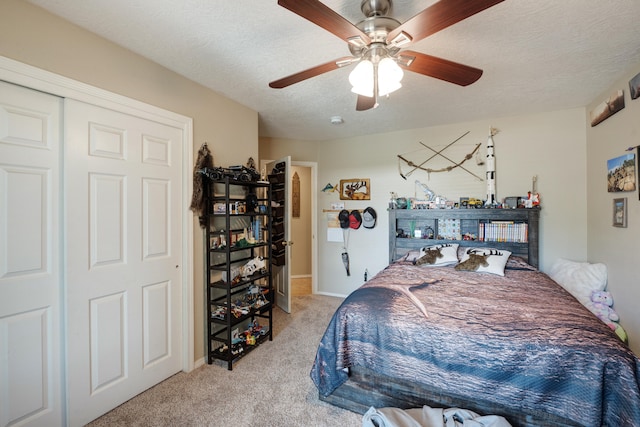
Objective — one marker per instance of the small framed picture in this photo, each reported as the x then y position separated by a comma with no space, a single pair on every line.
620,212
355,189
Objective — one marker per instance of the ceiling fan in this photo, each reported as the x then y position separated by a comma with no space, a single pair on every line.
377,42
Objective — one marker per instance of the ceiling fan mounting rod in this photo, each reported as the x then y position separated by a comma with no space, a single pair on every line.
375,7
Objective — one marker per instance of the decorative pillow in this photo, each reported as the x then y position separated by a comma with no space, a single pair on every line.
438,255
410,256
484,260
579,278
518,263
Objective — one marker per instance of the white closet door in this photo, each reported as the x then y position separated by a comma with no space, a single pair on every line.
30,258
123,220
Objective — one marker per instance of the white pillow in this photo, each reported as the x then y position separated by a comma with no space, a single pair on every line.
579,278
448,254
495,258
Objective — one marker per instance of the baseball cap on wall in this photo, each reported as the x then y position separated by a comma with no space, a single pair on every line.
355,219
343,217
369,217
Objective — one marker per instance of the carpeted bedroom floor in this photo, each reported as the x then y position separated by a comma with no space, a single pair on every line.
270,387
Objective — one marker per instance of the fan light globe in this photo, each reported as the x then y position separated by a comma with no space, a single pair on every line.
389,76
361,78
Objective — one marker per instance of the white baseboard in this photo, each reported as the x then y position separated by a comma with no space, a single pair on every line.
329,294
199,362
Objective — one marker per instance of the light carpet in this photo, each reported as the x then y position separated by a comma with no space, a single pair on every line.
270,387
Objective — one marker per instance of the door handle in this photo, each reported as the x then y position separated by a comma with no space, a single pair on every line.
287,243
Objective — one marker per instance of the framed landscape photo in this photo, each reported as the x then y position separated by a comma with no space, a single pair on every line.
621,173
620,212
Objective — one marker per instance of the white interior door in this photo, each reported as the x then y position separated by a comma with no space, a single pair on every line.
30,258
282,274
123,212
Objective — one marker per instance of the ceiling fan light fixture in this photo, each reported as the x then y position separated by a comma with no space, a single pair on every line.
389,70
361,78
388,87
389,75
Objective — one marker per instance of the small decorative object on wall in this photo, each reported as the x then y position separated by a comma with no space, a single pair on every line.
295,196
329,188
608,108
620,212
634,86
621,173
198,200
355,189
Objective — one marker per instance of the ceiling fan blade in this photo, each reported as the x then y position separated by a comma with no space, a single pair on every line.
439,68
365,103
311,72
439,16
320,14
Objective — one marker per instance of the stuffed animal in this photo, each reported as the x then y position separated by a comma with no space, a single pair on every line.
429,256
600,305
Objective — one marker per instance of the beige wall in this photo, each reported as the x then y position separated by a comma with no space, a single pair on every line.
618,248
549,145
33,36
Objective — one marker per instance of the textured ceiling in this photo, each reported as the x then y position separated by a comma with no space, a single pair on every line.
536,55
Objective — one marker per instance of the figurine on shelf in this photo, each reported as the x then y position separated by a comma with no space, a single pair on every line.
254,265
532,200
533,197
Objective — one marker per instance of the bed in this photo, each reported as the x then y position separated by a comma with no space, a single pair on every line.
516,345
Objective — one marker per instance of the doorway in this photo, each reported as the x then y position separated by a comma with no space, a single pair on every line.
303,258
301,233
303,280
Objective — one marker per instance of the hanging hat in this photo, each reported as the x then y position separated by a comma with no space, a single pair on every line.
355,219
369,217
343,217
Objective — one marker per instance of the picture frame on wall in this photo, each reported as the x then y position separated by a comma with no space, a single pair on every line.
634,86
355,189
607,108
621,173
620,212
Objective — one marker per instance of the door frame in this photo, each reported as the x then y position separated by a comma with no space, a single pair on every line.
314,215
314,220
35,78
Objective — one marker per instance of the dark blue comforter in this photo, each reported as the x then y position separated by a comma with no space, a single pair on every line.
518,340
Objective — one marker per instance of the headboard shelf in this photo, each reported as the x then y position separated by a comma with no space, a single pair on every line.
514,230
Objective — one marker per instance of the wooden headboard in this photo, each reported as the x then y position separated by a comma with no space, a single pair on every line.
514,230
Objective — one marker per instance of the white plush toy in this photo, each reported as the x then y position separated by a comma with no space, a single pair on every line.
600,305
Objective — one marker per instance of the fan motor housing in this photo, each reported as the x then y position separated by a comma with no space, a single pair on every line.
377,28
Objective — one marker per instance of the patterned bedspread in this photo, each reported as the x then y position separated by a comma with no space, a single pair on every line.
519,340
